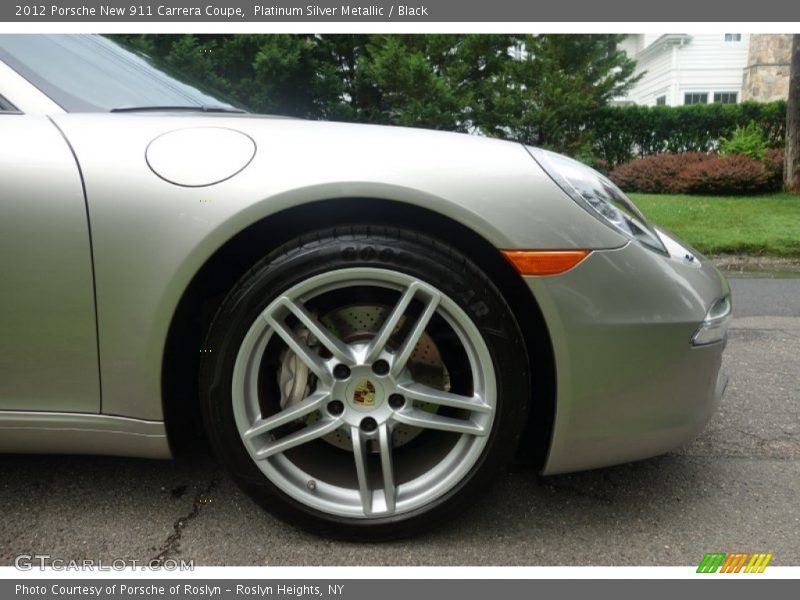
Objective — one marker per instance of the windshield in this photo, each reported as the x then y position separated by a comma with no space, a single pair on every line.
90,73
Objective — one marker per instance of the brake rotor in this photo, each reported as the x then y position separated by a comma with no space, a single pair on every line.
359,324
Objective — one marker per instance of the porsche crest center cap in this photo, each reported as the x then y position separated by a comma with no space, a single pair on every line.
364,393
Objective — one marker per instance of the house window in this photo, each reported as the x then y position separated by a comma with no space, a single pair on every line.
517,51
661,101
733,37
726,97
695,98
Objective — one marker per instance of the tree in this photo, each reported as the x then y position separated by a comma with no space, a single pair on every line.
791,167
294,75
537,89
435,81
559,83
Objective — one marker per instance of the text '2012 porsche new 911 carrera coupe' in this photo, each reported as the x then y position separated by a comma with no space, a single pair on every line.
366,322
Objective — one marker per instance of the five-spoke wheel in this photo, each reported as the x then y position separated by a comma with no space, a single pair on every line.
359,380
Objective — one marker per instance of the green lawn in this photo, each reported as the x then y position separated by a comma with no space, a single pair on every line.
764,225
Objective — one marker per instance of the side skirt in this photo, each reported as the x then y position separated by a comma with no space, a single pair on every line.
79,433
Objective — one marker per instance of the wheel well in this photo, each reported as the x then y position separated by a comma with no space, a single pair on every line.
218,275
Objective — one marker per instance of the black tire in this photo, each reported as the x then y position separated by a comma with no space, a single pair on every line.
420,257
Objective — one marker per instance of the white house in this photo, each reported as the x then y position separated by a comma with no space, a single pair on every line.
681,68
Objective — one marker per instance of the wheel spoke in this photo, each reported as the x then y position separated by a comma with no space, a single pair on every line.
426,420
378,343
301,409
334,345
312,360
424,393
408,345
360,455
305,435
387,468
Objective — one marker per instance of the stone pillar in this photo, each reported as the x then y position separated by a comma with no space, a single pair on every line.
766,76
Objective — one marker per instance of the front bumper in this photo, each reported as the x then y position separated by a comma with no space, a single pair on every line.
630,384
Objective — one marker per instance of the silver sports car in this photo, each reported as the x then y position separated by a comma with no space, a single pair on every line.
367,323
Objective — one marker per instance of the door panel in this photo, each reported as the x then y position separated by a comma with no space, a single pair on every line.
48,338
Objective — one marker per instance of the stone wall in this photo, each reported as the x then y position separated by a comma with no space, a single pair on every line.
766,76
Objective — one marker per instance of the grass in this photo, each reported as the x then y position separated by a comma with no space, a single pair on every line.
758,225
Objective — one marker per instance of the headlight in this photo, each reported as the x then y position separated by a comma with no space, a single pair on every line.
598,195
714,327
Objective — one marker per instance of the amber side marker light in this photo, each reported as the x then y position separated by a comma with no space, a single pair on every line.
544,262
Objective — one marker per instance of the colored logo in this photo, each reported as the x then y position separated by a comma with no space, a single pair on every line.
735,562
364,394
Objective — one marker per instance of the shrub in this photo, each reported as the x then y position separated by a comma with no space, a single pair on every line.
656,174
773,163
728,174
748,140
701,173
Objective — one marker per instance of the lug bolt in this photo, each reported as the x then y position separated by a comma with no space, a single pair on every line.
336,407
341,371
369,424
380,367
396,400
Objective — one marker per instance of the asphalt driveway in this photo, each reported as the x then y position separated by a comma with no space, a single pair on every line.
736,488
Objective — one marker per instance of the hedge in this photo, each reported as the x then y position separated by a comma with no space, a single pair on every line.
620,133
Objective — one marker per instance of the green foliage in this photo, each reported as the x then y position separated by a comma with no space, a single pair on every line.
293,75
588,156
543,94
748,140
549,95
623,132
435,81
546,90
